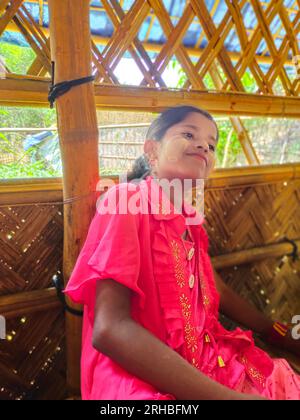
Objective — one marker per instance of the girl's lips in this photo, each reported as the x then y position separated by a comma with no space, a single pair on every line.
198,156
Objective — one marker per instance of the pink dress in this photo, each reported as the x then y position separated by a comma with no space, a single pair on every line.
146,253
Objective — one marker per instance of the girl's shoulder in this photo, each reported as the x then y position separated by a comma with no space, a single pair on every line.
116,190
122,198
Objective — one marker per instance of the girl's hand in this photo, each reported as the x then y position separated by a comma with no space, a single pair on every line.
291,345
281,341
254,398
248,397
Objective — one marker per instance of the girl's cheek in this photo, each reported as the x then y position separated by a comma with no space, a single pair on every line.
174,149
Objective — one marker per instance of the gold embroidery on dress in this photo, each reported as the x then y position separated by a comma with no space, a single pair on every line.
253,372
195,363
179,270
185,306
190,335
206,300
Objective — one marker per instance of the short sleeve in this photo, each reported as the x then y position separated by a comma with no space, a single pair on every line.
111,249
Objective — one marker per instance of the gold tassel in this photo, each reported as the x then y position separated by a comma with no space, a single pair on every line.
221,362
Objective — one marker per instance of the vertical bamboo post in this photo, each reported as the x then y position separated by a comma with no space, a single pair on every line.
77,125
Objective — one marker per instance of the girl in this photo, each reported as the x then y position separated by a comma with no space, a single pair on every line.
151,327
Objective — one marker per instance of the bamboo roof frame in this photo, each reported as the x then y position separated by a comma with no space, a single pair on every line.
18,18
196,51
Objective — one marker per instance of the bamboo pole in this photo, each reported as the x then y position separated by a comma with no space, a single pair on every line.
77,124
253,255
26,303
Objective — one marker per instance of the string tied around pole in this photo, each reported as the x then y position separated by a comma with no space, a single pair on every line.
295,253
59,89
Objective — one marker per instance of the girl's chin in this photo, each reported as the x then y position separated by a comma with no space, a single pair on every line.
195,175
184,173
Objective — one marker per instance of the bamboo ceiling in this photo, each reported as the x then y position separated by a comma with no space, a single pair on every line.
216,43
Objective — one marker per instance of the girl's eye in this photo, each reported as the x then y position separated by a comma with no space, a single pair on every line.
189,136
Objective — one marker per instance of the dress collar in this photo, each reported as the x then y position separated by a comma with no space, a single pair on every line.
162,209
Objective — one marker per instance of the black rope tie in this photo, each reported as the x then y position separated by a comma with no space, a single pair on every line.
59,89
295,253
58,284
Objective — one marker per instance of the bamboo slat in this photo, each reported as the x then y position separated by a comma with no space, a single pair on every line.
174,40
38,43
9,14
209,27
181,53
116,15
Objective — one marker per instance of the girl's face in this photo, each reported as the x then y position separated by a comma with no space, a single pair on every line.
187,150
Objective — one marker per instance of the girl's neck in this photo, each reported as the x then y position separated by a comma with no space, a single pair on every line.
177,198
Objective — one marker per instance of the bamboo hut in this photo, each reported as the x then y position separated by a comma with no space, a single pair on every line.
252,211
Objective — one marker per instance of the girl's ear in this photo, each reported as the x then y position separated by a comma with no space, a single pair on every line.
151,149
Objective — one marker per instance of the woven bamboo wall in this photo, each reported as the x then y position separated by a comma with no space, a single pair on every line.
32,359
245,208
256,211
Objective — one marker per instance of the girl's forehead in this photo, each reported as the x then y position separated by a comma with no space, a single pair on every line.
196,122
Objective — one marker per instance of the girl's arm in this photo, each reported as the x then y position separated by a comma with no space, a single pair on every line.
239,310
139,352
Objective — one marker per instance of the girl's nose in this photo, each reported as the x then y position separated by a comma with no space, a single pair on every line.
203,146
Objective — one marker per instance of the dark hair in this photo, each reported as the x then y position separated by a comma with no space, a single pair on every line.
157,130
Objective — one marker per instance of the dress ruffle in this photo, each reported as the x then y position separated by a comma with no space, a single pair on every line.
167,289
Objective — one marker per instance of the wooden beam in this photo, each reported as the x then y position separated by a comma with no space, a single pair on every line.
220,178
78,132
224,103
26,303
33,91
252,176
253,255
30,191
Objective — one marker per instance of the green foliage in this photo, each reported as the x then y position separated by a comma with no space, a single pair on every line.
249,82
24,165
17,59
235,149
29,170
27,117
